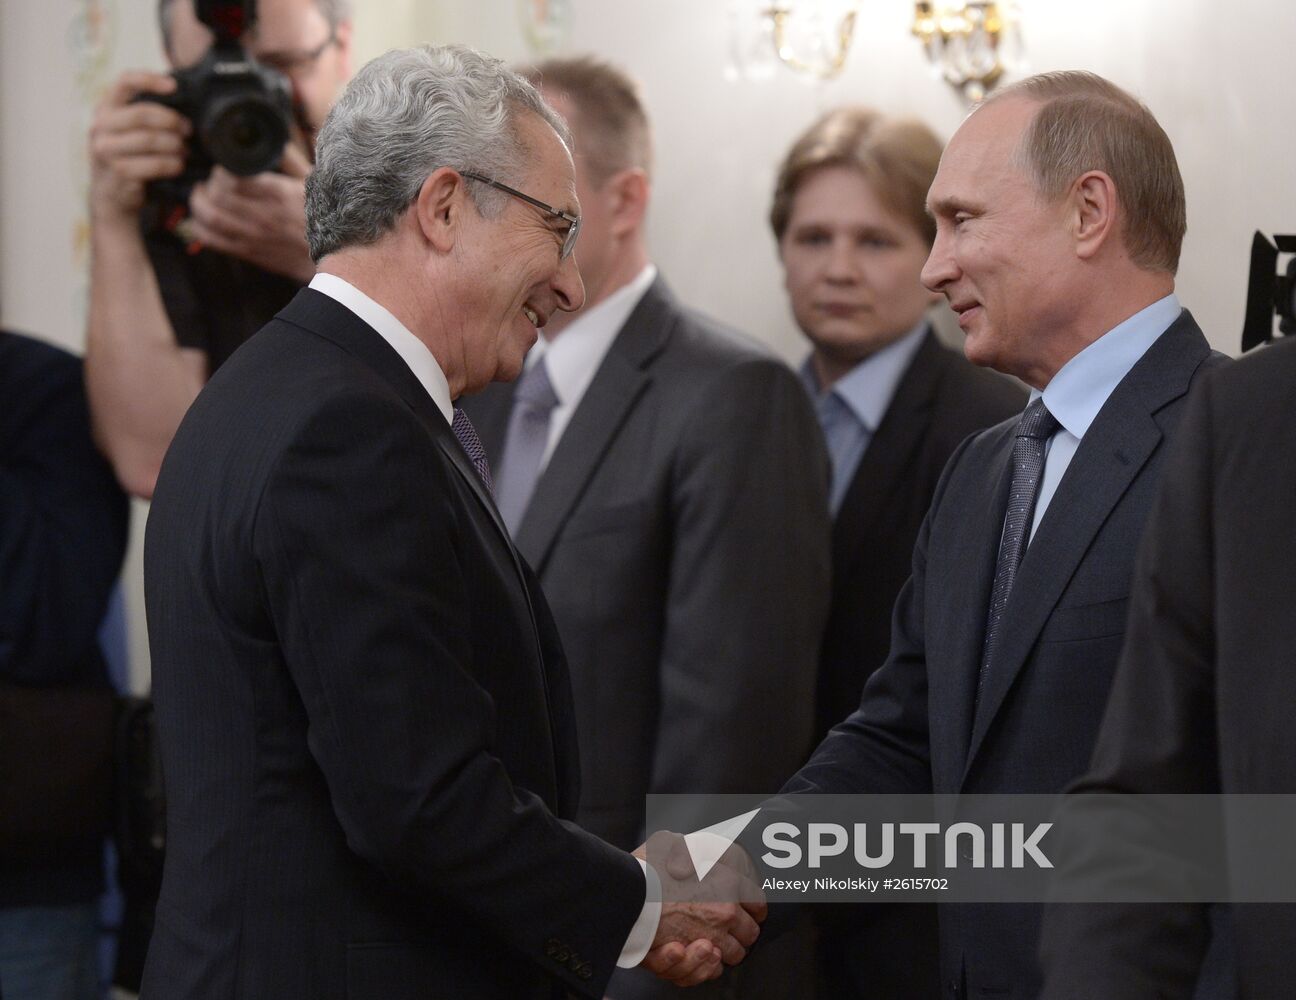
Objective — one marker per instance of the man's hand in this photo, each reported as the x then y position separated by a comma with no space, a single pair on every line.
685,965
259,219
704,925
131,144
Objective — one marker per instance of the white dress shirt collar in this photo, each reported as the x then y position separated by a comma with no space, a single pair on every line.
413,351
1078,391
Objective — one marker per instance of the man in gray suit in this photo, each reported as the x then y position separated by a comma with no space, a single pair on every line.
666,479
1059,218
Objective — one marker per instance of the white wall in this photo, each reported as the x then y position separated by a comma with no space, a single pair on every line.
1218,76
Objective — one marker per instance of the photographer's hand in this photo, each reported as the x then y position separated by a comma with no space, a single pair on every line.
140,381
132,143
259,219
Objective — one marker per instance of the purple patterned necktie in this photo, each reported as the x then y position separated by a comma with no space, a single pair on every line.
1034,429
472,446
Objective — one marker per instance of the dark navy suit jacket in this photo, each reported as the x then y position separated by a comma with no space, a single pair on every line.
1033,729
364,713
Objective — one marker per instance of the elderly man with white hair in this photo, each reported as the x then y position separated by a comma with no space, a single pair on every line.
363,707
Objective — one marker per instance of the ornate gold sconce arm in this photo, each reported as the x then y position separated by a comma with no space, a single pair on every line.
971,43
780,19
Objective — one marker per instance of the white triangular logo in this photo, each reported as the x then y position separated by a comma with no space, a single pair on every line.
706,847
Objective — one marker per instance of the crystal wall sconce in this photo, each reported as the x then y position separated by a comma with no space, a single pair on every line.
970,43
546,24
811,37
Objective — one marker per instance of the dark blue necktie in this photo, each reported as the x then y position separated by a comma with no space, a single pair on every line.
1034,429
472,446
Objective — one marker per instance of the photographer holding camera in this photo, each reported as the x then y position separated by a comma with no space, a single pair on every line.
189,259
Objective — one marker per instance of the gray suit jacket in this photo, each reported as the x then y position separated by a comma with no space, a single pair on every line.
1034,726
680,532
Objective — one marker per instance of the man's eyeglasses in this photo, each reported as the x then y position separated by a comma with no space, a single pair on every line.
296,63
573,221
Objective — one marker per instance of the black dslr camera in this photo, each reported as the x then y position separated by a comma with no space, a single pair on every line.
1269,292
241,111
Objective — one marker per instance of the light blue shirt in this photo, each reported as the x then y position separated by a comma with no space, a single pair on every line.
852,409
1082,387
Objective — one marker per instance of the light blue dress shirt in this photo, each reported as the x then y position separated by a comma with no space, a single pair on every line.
851,410
1079,390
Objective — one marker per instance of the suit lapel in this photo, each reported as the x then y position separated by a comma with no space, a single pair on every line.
450,447
616,388
1114,451
882,465
327,318
957,640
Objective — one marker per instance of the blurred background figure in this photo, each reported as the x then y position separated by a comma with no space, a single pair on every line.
63,524
853,233
666,479
188,260
182,274
1211,645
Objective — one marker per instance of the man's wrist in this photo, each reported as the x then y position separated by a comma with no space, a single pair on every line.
112,219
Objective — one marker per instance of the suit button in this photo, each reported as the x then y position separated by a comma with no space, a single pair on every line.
562,956
956,989
585,972
552,946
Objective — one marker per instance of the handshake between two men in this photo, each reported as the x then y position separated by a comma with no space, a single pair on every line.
706,922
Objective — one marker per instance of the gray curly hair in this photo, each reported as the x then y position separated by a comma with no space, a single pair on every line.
406,114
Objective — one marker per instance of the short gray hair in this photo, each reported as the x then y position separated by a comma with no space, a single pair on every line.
1084,123
612,125
406,114
334,11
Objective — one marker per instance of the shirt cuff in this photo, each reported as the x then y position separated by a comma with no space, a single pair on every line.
644,930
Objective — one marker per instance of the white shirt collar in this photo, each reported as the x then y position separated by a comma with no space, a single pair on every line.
413,351
1078,391
573,357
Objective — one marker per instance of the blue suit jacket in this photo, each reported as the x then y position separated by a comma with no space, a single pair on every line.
1033,729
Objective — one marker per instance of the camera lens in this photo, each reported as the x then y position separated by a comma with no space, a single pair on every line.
244,133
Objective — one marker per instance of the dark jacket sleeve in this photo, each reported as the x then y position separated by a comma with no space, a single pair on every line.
63,519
